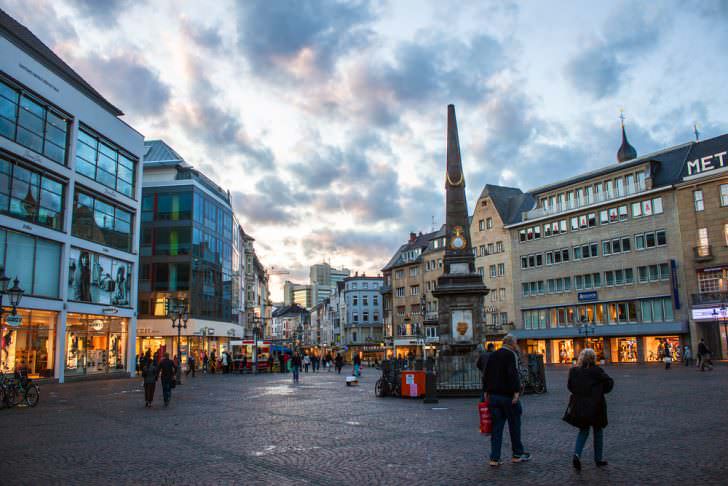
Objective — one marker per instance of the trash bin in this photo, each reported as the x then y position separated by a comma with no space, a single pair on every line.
413,383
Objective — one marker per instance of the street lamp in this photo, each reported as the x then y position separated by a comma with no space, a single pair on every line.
177,312
15,293
423,305
256,332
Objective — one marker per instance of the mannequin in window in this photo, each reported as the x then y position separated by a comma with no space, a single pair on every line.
6,342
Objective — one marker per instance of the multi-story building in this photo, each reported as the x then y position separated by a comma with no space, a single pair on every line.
69,204
187,246
289,323
597,257
410,310
299,294
364,316
702,203
497,207
323,279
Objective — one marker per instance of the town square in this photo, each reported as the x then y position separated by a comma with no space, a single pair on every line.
363,241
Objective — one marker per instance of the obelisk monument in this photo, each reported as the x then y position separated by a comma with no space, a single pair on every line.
460,289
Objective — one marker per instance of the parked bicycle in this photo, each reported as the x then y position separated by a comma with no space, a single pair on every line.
18,389
388,385
531,380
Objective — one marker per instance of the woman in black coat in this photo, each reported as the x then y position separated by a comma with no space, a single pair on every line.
587,407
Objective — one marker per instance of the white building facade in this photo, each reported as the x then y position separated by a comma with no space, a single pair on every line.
70,190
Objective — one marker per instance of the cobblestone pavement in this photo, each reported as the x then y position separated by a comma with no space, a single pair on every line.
666,427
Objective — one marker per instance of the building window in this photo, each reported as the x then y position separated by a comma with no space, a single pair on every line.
100,279
703,242
724,195
489,223
399,274
481,225
355,317
492,270
355,300
35,262
375,317
375,300
482,250
32,123
481,271
698,200
400,291
102,161
709,281
30,195
499,247
365,300
501,269
725,233
101,222
365,316
413,272
415,290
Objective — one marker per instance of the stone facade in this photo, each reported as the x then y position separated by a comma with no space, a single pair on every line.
702,204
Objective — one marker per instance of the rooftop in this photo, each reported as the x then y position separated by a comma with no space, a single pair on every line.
24,39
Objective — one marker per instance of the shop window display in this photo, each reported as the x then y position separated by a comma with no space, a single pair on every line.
562,351
31,345
98,279
95,344
625,349
655,347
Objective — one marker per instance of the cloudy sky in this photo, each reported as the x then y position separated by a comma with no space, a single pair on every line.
326,120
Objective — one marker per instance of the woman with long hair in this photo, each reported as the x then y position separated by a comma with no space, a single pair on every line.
588,383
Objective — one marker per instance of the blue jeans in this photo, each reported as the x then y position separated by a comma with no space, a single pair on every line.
598,442
502,410
167,390
295,370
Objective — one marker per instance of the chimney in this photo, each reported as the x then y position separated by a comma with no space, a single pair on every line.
413,237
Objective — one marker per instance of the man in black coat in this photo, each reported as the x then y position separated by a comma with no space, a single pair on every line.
482,362
167,370
704,355
503,387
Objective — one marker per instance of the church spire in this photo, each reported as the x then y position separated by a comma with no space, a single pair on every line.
626,151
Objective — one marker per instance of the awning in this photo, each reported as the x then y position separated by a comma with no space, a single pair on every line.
606,330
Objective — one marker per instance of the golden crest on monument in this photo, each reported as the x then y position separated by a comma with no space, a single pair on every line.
462,328
457,240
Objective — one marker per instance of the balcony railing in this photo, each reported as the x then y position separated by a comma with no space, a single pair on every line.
709,298
601,197
703,253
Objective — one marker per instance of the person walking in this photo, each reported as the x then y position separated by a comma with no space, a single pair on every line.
190,365
296,366
167,370
687,355
149,374
281,362
270,363
482,363
205,362
339,362
588,383
667,350
503,386
306,362
213,361
704,355
357,364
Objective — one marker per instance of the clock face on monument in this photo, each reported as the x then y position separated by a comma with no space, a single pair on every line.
457,240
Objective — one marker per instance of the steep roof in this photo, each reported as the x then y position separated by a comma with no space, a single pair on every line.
24,39
510,202
288,310
158,152
421,241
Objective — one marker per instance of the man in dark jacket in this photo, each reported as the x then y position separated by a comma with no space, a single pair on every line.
704,355
503,386
167,370
482,362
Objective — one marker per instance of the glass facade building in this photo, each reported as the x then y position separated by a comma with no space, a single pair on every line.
69,204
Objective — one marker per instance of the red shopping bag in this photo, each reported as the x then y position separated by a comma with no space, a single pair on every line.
486,424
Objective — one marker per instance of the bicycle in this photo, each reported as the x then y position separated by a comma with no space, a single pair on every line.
20,385
389,383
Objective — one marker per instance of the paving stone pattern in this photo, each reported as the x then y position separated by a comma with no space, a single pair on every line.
666,427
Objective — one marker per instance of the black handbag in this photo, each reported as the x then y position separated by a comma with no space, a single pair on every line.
573,415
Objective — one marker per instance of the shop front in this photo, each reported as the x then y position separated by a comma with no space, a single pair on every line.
29,345
625,343
95,345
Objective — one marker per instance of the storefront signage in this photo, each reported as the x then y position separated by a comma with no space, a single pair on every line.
13,320
97,325
110,310
707,163
711,313
587,296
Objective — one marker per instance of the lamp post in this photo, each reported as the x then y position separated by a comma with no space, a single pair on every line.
15,294
256,331
177,312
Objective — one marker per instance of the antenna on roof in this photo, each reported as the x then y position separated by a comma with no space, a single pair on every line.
433,224
696,132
